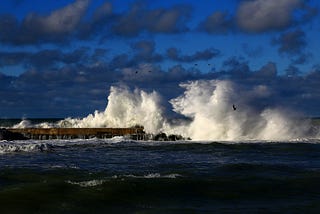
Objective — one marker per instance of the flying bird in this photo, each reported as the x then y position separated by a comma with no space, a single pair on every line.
234,107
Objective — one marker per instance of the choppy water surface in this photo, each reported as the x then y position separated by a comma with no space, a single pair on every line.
119,175
222,171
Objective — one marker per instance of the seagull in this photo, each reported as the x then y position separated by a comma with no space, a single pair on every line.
234,107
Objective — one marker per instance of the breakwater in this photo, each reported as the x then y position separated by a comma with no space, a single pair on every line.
74,133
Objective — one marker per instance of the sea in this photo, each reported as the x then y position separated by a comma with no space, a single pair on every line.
120,175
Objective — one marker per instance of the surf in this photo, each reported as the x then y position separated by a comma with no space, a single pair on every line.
217,110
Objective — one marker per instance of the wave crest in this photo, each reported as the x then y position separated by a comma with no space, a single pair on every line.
216,110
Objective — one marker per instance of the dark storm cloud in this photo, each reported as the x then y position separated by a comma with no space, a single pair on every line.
142,52
217,23
258,16
37,28
291,43
72,21
70,91
75,83
145,52
9,29
5,82
79,90
267,72
207,54
236,67
102,12
121,61
59,23
69,22
307,88
99,53
79,55
144,48
137,20
140,19
293,90
99,24
45,58
13,58
292,71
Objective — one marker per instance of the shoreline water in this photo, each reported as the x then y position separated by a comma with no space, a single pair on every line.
121,175
125,176
50,128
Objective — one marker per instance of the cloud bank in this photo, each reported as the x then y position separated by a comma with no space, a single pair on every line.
64,76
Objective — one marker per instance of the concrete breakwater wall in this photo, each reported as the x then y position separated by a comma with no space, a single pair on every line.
73,133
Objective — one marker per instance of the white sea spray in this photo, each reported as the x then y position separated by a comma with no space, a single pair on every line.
210,110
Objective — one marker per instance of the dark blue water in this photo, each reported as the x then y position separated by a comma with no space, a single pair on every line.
120,176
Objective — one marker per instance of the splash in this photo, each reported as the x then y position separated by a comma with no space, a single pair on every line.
125,109
23,124
214,110
220,111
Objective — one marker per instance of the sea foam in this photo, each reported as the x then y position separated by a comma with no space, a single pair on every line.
13,147
210,110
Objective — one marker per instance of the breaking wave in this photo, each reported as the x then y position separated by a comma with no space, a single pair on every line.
50,145
95,182
13,147
91,183
207,110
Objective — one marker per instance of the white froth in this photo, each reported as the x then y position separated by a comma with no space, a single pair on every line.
209,106
94,183
91,183
11,147
148,176
125,109
23,124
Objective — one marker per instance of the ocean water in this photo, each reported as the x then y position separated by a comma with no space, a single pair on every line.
255,159
124,176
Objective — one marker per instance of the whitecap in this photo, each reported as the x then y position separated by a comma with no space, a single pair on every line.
23,146
148,176
90,183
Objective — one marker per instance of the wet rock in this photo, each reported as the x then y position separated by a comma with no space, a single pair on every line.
7,135
174,137
161,137
164,137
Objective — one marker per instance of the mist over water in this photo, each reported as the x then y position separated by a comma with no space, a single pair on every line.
210,105
125,109
210,110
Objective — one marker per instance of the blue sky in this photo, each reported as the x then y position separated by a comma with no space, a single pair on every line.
59,58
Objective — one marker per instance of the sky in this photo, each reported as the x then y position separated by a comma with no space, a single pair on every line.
59,58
